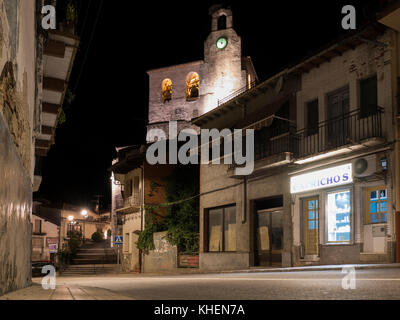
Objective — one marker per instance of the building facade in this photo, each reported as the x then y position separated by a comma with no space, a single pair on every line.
323,186
137,184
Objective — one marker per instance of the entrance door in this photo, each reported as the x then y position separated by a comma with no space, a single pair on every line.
310,225
269,231
338,119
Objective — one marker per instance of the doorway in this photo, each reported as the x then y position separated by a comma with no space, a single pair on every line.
310,225
269,237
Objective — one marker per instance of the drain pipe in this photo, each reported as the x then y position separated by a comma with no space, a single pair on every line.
244,215
141,217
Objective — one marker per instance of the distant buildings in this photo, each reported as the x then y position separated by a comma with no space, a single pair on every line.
46,223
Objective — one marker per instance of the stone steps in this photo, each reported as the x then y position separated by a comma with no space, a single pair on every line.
92,269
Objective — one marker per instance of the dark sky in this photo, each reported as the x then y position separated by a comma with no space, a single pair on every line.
111,96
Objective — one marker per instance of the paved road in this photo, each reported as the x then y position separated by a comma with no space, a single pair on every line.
314,285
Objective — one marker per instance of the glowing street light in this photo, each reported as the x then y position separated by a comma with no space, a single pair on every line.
84,213
70,218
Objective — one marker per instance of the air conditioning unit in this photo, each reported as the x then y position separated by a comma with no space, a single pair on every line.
364,167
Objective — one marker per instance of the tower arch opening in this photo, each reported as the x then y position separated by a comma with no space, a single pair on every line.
166,87
192,86
221,23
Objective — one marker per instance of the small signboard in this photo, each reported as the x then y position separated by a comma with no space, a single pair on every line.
118,240
53,247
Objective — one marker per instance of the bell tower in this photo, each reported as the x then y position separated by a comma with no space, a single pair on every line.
223,55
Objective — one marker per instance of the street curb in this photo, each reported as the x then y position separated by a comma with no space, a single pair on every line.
333,268
271,270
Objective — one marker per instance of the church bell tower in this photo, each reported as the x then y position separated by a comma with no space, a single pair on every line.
223,54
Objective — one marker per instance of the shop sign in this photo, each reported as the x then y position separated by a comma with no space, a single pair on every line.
53,247
325,178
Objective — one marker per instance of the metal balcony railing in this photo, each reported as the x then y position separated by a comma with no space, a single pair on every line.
285,142
347,129
237,93
132,201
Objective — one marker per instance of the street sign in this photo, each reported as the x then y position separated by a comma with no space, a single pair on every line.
118,240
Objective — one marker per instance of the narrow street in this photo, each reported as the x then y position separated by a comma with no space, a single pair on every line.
380,284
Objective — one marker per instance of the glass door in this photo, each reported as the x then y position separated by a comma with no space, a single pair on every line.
269,238
310,225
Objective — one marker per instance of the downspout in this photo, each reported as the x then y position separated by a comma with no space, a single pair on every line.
141,218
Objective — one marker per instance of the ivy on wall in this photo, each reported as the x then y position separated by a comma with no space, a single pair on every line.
182,218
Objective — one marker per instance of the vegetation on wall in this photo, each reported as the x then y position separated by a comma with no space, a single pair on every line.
182,217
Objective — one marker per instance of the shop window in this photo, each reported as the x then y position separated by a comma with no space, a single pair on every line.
338,216
368,97
376,207
192,86
222,229
166,87
312,117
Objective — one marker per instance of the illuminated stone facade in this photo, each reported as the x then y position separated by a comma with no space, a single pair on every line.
223,71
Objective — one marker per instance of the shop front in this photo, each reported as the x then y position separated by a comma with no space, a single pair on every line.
324,216
339,217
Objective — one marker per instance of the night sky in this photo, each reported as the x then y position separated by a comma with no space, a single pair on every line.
110,83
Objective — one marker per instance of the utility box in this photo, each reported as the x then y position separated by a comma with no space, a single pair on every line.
378,231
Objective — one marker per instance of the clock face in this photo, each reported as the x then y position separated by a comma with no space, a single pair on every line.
221,43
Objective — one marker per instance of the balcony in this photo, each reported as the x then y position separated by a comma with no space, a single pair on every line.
351,130
132,201
282,145
131,204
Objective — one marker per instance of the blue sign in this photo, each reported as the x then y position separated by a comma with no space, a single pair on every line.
118,240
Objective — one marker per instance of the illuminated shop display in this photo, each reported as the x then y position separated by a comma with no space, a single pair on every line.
326,178
338,216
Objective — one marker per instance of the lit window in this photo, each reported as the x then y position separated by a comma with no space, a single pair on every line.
192,86
376,205
338,216
166,87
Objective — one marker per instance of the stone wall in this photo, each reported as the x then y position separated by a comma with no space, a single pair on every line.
15,212
17,104
163,258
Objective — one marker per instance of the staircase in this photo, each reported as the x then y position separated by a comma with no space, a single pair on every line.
89,269
93,258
